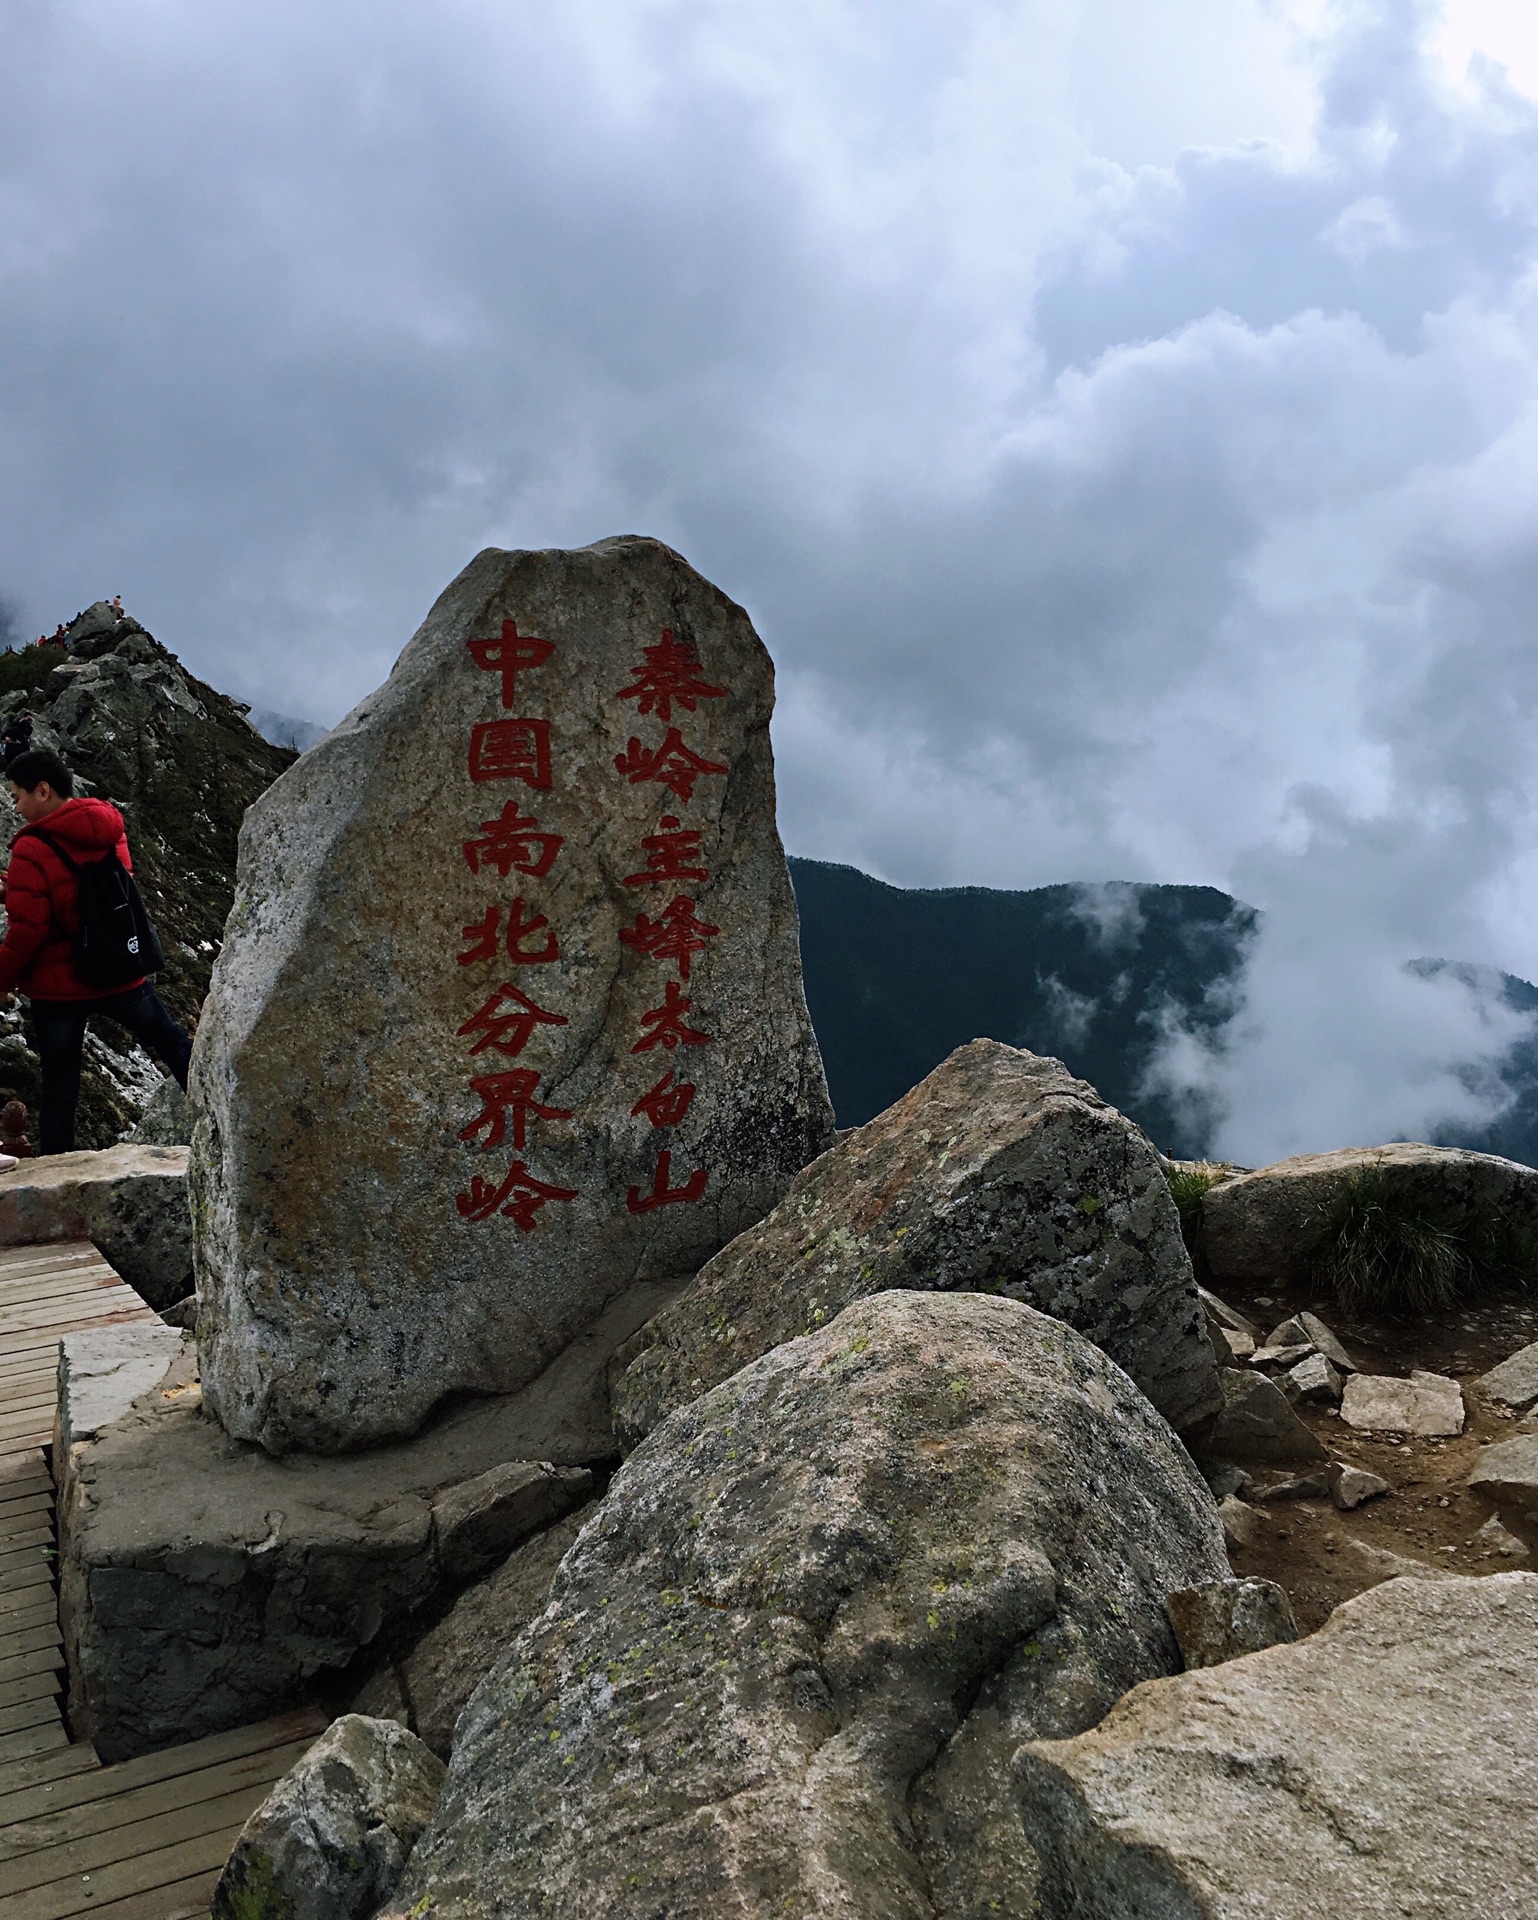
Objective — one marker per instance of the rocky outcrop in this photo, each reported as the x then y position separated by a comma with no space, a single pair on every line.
1264,1225
1386,1767
1000,1173
330,1840
166,1120
786,1665
130,1200
509,1011
182,763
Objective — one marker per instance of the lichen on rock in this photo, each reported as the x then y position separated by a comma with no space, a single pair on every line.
786,1662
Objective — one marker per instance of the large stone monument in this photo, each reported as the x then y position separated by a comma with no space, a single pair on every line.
509,1013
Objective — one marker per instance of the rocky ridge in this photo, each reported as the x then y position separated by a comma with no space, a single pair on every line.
182,762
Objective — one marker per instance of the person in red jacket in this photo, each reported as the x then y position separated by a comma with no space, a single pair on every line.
37,955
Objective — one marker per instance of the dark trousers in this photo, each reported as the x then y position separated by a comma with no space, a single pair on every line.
59,1028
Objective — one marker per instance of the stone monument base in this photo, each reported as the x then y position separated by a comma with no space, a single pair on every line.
205,1584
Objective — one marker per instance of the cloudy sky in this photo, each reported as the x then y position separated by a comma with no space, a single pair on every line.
1119,416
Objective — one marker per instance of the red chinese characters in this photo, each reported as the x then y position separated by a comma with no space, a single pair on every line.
672,765
515,747
662,1194
670,680
668,853
506,1022
484,939
511,750
510,654
667,1025
666,1103
677,934
518,1198
671,675
507,1099
511,843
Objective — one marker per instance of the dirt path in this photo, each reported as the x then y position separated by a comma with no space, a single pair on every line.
1322,1556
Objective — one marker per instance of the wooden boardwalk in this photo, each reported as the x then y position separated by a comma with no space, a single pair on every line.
46,1291
143,1840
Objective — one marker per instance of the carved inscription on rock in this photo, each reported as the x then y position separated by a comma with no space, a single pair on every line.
509,1015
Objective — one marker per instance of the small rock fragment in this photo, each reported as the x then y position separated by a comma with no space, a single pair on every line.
1514,1383
331,1839
1225,1478
1313,1485
1353,1485
1222,1619
1425,1404
1369,1566
383,1697
1290,1333
1508,1474
1240,1345
480,1521
1226,1315
1314,1380
1492,1537
1314,1329
1289,1356
1257,1424
1241,1523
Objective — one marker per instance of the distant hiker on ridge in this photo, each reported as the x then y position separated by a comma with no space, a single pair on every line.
54,866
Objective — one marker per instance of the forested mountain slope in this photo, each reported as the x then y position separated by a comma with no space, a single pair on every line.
1098,975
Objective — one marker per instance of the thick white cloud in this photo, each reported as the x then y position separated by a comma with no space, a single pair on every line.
1119,420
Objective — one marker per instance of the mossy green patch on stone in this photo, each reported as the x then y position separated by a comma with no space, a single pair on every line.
249,1890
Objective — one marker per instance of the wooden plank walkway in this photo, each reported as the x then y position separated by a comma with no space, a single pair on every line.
143,1840
46,1291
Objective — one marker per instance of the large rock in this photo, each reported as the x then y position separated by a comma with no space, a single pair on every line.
427,1158
1000,1173
435,1679
1384,1768
130,1200
205,1584
784,1668
330,1840
1262,1226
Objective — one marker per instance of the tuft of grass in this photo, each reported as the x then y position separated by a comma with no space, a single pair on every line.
1188,1181
1381,1243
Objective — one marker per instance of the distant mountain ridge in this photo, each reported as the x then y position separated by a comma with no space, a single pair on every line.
1098,976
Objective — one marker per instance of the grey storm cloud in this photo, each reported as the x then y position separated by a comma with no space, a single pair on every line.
1125,440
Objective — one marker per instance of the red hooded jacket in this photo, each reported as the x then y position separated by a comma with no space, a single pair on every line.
42,900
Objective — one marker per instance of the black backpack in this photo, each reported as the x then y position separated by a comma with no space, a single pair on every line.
117,941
